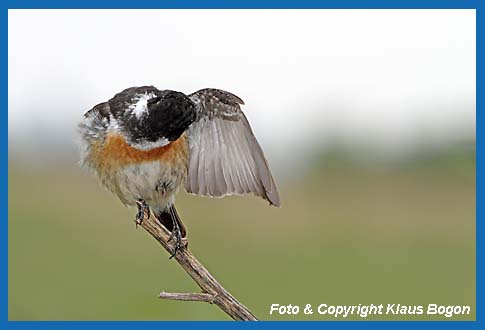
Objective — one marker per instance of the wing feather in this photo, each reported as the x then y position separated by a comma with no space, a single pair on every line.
225,157
219,163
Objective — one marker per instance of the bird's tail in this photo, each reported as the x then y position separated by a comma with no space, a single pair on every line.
168,216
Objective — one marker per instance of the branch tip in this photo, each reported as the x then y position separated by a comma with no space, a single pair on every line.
212,291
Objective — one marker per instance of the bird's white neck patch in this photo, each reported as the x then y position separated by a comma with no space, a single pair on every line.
140,107
148,145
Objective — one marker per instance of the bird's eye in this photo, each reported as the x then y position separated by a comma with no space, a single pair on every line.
154,100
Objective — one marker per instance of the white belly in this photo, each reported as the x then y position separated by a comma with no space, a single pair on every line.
154,182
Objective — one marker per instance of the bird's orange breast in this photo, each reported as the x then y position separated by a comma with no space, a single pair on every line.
115,152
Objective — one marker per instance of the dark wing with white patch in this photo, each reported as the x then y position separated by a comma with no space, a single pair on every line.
225,157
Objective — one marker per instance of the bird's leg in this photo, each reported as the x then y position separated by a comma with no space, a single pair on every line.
142,208
172,235
177,234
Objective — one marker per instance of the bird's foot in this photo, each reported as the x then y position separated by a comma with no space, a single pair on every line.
180,242
142,208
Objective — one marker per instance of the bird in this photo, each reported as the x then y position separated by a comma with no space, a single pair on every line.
144,144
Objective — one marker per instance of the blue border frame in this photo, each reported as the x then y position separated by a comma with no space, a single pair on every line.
239,4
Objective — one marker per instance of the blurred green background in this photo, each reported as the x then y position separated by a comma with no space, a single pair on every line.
348,232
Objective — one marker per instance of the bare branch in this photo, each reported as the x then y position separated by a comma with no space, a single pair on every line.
208,284
188,296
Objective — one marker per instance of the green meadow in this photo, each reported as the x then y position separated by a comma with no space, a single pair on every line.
347,233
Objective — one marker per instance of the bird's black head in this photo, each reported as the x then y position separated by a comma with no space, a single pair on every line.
152,118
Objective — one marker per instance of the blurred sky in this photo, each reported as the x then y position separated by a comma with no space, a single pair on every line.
392,79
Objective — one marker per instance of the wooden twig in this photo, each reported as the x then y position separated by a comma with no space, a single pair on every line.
188,296
212,291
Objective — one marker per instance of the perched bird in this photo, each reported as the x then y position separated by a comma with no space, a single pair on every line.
144,143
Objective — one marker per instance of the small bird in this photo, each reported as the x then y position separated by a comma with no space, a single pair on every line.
145,143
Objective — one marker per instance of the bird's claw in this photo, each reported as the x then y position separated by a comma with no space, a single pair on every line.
142,208
177,235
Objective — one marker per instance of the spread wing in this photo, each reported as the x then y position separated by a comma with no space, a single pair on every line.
225,157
